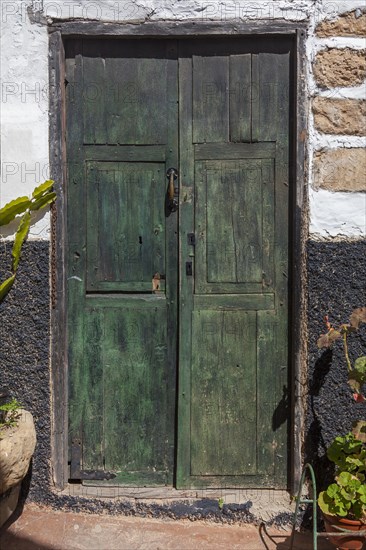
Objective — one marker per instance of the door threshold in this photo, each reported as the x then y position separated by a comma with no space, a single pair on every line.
253,505
232,496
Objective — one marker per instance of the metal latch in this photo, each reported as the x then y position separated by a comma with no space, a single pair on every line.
191,238
189,269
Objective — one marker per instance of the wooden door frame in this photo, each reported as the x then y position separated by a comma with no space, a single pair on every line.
60,31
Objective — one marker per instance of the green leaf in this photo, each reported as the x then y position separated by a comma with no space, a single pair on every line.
43,201
332,490
12,405
6,286
41,189
360,365
20,237
13,208
344,479
324,503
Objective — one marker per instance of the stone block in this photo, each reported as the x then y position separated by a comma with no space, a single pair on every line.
337,67
340,169
348,24
340,116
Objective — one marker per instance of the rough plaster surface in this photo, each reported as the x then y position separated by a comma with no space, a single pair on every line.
337,285
342,68
340,169
350,214
24,351
24,106
340,116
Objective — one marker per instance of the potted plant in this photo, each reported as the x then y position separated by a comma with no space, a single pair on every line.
343,503
17,432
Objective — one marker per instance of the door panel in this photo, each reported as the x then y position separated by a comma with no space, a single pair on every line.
125,245
223,372
230,198
216,271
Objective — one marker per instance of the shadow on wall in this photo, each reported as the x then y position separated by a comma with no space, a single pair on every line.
315,430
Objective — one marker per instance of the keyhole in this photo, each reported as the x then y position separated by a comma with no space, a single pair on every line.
140,239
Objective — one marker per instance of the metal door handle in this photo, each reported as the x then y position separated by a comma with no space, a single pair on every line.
172,174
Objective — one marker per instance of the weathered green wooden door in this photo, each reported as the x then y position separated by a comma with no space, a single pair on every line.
206,408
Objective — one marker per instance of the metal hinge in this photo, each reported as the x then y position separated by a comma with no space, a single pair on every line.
75,466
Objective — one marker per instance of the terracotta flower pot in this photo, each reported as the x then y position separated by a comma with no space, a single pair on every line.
348,542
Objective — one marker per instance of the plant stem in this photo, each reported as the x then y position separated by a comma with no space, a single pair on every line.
345,343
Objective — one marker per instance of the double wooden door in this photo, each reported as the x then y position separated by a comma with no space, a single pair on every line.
178,314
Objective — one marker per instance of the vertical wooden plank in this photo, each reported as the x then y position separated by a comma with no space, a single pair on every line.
255,94
210,99
282,253
206,362
268,194
153,105
94,93
247,212
240,97
58,367
90,390
218,205
76,242
266,391
200,225
270,85
299,108
122,99
274,125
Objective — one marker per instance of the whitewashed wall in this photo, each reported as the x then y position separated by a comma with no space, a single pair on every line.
24,88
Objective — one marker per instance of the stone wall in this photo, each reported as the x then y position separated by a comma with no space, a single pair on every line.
337,150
